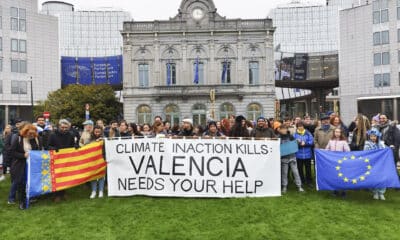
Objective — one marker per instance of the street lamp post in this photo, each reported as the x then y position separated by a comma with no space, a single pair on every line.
31,81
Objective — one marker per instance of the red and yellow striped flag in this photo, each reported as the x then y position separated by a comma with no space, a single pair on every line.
71,167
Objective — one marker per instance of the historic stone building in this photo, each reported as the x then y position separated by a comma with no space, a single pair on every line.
198,65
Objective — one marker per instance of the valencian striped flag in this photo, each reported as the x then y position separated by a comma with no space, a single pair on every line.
51,171
355,170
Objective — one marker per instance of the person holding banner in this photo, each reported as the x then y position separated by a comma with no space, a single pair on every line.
158,130
27,140
263,129
338,143
305,141
187,128
239,128
373,143
288,160
212,130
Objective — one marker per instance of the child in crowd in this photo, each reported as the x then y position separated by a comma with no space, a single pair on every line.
339,143
373,143
288,160
97,135
305,141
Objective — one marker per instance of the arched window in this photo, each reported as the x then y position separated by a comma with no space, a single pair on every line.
172,114
199,112
254,111
144,114
225,110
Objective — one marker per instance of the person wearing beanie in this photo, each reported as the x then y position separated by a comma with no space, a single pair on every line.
187,128
212,130
239,128
263,129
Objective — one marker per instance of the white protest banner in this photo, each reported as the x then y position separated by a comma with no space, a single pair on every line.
193,167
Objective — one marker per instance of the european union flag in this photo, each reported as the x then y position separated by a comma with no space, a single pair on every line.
355,170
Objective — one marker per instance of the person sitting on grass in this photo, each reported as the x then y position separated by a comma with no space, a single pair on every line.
373,143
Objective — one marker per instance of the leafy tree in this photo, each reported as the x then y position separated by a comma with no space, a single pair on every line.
70,103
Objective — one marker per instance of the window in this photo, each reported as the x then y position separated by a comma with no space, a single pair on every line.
398,56
144,114
376,17
385,58
1,22
254,73
254,111
377,59
384,16
226,110
22,46
382,80
1,44
18,19
385,37
14,66
14,45
377,80
143,75
199,112
398,13
226,72
386,79
22,66
200,72
19,87
172,114
398,35
171,74
377,38
1,64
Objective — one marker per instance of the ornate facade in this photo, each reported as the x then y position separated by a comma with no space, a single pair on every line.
198,64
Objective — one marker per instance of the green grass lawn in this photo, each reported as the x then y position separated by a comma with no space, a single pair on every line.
310,215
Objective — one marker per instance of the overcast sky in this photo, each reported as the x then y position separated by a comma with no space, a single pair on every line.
164,9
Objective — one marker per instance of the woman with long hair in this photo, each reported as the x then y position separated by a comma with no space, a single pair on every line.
27,140
362,125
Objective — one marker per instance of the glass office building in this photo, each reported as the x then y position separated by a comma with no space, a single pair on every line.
88,33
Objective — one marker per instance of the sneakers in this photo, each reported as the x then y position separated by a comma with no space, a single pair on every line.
376,196
11,202
301,189
101,194
382,197
93,195
22,206
284,190
2,178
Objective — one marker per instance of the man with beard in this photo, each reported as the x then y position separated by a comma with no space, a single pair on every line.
60,139
263,129
390,135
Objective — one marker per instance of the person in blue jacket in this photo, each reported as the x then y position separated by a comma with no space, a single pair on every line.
303,157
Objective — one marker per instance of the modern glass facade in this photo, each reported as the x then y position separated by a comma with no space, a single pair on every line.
88,33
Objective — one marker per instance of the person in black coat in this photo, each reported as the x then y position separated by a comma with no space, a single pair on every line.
27,140
60,139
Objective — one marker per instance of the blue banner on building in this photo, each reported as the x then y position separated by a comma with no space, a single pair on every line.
87,71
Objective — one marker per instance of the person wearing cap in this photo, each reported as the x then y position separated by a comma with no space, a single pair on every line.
187,128
212,130
60,139
373,143
263,129
87,133
323,133
239,128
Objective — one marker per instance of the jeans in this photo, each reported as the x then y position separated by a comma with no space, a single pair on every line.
285,163
93,184
13,191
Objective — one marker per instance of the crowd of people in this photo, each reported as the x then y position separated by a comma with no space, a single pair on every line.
328,132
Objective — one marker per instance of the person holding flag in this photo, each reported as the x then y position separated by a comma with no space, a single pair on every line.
373,143
27,140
